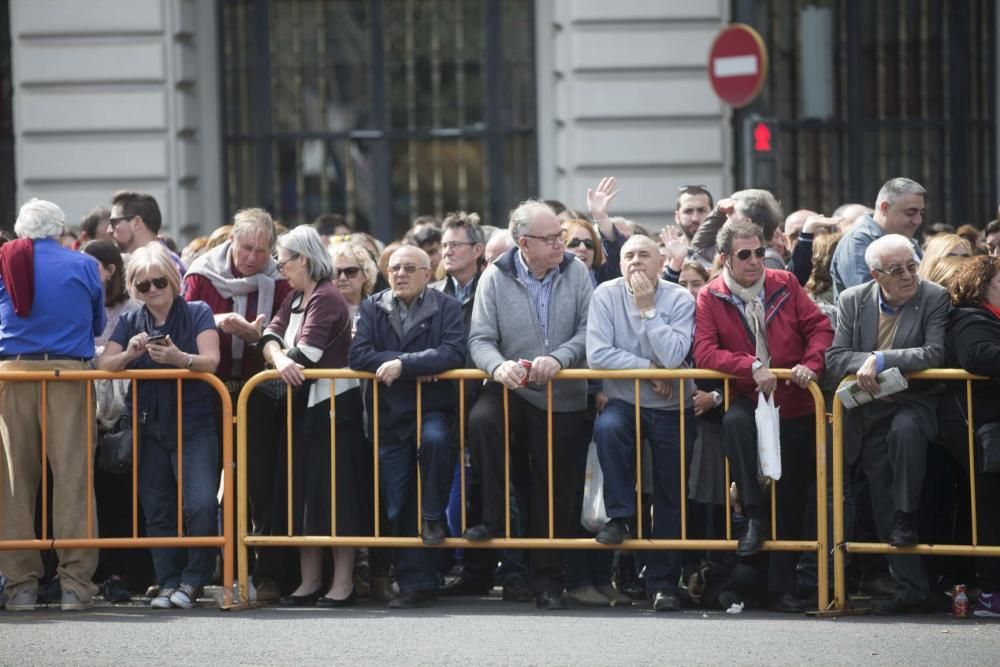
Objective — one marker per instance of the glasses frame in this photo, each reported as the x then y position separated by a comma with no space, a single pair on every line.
586,243
744,254
350,272
899,271
409,269
553,240
145,285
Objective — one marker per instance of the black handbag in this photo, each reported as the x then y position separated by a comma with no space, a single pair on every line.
988,447
114,448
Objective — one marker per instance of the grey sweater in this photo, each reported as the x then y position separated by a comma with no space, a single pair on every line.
618,339
505,327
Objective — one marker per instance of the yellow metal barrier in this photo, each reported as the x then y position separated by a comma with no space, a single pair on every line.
841,546
91,541
245,540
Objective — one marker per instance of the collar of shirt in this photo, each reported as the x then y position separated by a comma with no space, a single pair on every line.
461,292
885,307
524,273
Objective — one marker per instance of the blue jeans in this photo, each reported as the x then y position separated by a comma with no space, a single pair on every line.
416,569
158,493
614,433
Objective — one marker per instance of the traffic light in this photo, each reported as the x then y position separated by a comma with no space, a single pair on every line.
760,154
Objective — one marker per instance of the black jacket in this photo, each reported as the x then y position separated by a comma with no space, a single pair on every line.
974,345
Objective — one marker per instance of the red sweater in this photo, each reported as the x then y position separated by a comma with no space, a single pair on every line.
200,288
797,333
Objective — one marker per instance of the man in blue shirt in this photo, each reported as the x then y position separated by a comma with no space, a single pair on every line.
51,308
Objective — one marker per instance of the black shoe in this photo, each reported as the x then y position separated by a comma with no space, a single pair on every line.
896,607
462,586
482,532
904,530
307,600
879,586
412,600
615,531
751,540
432,532
666,601
785,603
115,592
550,601
349,601
516,591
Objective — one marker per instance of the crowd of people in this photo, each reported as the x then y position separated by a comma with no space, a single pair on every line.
730,285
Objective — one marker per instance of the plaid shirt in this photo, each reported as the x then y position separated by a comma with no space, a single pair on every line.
540,291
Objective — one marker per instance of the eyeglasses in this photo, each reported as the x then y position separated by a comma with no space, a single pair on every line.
898,271
406,268
682,188
455,244
281,265
348,272
114,221
158,283
551,239
575,243
744,255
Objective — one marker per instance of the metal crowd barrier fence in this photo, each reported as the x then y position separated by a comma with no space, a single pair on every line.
92,541
841,546
245,540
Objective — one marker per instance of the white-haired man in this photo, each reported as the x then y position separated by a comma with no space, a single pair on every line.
896,321
51,308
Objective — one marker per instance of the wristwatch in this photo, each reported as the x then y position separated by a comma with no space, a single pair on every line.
716,397
648,314
757,363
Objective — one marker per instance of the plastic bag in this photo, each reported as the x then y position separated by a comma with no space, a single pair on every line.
593,517
768,438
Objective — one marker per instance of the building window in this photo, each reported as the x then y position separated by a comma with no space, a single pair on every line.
381,110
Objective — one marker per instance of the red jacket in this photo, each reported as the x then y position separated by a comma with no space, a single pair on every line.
797,333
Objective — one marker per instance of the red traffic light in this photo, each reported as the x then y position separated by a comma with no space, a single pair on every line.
762,137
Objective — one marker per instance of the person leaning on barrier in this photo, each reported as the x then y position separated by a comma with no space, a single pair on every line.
896,321
974,344
312,329
51,307
641,321
241,283
168,332
749,320
531,304
756,206
407,335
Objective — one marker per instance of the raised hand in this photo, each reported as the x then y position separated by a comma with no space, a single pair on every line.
600,198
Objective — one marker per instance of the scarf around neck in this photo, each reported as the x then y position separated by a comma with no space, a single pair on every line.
216,265
754,311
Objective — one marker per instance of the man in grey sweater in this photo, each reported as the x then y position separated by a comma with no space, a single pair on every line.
642,321
531,304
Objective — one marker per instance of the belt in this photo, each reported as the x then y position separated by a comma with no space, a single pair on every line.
44,356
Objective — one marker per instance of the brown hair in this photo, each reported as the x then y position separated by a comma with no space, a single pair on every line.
820,280
569,229
969,284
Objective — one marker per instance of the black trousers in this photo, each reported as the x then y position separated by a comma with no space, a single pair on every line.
798,479
529,449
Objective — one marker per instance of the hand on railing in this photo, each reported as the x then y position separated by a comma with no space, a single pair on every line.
802,376
543,369
766,381
389,372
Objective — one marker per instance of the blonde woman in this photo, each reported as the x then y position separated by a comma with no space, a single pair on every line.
939,247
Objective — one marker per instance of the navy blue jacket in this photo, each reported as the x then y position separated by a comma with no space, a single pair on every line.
434,342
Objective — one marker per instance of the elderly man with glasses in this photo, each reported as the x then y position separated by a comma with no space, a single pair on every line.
530,321
751,319
896,321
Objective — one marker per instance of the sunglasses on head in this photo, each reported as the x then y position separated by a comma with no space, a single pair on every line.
348,272
744,255
159,283
586,243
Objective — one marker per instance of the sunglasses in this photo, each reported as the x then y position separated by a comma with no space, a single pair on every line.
158,283
348,272
744,255
576,243
406,268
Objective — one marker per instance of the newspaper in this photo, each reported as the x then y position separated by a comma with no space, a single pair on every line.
890,381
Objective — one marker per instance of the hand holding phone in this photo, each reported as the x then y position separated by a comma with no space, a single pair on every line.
157,340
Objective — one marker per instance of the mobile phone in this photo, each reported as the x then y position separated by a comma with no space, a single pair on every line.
157,340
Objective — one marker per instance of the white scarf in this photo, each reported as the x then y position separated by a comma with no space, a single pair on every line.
215,265
754,311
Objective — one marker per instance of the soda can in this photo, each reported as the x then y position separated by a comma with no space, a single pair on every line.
959,602
526,365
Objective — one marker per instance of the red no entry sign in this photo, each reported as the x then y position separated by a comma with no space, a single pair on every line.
737,65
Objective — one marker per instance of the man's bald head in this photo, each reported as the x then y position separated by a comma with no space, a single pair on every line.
409,272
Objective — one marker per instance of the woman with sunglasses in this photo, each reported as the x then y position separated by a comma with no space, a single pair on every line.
582,240
168,332
354,273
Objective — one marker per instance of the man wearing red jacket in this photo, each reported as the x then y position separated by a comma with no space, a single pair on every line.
751,319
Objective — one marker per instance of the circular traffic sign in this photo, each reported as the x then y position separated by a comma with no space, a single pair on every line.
737,65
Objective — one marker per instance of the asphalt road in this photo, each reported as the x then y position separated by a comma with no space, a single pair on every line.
470,631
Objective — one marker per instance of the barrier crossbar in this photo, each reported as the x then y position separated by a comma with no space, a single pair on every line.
841,546
819,546
92,541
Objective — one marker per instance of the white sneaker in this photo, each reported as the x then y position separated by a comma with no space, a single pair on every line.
185,597
162,600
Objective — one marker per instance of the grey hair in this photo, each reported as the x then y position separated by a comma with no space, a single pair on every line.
737,229
305,242
884,245
761,207
522,216
39,219
356,252
467,221
254,223
895,188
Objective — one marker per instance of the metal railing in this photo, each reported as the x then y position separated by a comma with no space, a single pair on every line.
245,540
93,541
